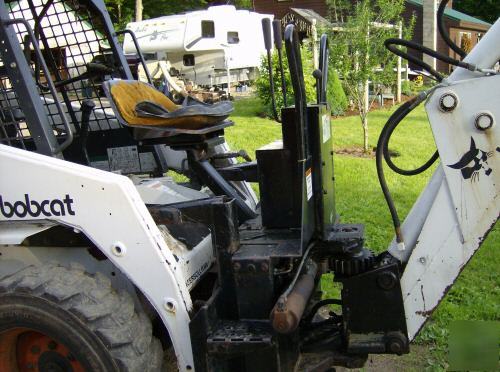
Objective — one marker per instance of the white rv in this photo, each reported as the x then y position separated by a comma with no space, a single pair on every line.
204,46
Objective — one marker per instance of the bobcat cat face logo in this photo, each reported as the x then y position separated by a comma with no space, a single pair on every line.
474,162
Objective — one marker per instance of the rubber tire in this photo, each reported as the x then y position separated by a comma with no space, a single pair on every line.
100,326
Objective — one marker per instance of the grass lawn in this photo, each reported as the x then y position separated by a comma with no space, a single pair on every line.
475,296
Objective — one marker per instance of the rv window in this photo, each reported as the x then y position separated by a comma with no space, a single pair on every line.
232,38
150,56
188,59
207,29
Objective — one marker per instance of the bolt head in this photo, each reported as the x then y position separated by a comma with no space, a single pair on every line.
484,121
448,102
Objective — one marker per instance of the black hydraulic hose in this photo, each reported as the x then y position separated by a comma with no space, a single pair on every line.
318,305
391,45
407,107
389,127
444,34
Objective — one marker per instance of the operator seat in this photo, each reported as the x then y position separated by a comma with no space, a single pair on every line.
138,104
193,127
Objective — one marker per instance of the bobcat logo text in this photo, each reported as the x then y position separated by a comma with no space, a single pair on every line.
29,207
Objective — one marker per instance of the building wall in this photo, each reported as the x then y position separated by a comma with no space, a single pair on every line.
280,7
454,29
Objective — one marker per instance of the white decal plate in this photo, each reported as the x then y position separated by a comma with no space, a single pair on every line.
309,185
327,130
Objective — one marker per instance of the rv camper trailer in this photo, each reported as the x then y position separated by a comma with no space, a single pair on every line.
206,46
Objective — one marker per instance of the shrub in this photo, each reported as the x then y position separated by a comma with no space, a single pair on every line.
407,88
336,96
263,86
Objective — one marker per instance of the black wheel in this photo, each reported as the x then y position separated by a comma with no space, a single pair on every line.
61,319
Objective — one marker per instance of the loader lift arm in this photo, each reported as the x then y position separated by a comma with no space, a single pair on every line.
460,205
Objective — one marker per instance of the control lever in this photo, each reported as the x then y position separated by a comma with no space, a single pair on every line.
303,151
278,42
266,30
299,90
321,74
87,108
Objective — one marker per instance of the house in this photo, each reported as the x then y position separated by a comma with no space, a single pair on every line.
463,29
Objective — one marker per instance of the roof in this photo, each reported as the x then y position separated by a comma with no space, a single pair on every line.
309,15
455,14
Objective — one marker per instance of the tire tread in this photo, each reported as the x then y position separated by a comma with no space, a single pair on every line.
111,315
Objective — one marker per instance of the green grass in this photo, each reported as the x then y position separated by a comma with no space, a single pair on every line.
476,294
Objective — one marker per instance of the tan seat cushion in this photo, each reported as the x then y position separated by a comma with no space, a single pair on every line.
126,94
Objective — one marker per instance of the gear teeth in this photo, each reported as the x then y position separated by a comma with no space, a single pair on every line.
353,265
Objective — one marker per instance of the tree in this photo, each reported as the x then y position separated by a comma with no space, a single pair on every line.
487,10
357,50
121,12
138,10
125,11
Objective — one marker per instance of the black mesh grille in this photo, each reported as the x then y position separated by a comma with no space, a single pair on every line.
71,35
12,126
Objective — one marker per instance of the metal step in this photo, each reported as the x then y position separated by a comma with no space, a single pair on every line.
237,337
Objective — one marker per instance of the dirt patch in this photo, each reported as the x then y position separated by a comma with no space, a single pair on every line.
356,151
414,361
359,152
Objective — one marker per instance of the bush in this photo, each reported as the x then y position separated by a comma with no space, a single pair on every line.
407,88
263,86
415,86
335,94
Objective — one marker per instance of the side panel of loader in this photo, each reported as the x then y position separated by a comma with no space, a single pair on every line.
106,208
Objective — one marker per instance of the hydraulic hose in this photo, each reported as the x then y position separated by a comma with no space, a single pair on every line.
391,45
396,118
383,153
444,34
